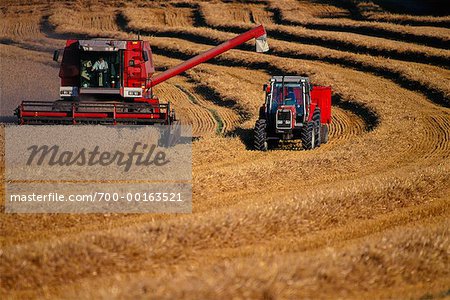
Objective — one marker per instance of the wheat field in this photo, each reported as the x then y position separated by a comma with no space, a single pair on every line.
366,215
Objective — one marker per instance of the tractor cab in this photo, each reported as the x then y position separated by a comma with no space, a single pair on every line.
287,101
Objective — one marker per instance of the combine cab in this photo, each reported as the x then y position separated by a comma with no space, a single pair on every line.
293,109
110,82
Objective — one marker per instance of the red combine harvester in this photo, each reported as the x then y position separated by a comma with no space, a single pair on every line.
110,82
293,109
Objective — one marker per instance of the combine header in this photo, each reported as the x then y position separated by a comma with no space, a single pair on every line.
111,82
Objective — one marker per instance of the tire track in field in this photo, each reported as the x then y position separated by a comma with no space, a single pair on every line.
187,111
28,27
439,135
226,118
345,125
25,32
430,139
219,110
212,114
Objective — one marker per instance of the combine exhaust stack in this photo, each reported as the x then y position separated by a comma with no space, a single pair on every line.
110,82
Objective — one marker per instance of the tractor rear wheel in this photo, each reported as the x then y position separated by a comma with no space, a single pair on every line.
316,120
260,135
308,136
324,133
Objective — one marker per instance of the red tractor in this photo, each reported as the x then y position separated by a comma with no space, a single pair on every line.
111,82
293,109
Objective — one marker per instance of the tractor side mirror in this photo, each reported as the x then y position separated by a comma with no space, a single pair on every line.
265,87
145,55
56,55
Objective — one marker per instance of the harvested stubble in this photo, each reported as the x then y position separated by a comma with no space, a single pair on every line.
215,16
363,216
289,13
405,73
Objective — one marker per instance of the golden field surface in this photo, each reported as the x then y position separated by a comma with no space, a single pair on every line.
365,216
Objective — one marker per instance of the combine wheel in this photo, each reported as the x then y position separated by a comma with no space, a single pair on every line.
308,136
260,135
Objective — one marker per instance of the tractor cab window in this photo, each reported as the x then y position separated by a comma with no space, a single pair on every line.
289,94
100,69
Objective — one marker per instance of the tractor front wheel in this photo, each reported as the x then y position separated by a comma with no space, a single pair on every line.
308,136
260,135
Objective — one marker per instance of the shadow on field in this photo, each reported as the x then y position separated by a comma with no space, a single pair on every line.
367,29
245,135
433,94
333,44
49,30
416,7
8,120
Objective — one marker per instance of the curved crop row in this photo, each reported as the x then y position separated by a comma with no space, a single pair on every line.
288,13
215,18
371,204
434,85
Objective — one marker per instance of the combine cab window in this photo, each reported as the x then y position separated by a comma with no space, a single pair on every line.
293,95
100,69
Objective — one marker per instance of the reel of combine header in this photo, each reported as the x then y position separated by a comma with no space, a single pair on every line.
105,113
